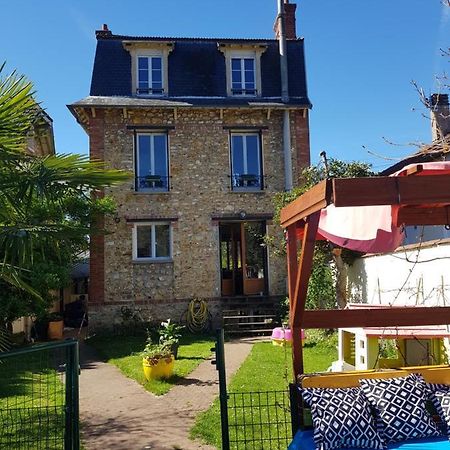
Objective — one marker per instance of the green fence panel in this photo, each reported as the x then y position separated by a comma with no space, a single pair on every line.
38,394
259,420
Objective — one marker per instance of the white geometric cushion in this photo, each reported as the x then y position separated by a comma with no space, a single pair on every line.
439,395
399,406
341,419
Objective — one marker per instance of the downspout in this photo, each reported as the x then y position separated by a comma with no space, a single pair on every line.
285,97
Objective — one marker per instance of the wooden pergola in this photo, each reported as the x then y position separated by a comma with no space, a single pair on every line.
418,200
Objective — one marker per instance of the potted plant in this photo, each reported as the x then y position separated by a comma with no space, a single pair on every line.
55,326
170,334
157,360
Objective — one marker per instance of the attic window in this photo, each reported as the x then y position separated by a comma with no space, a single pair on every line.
150,75
243,81
243,68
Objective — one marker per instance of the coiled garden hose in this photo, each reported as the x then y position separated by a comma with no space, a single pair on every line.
197,316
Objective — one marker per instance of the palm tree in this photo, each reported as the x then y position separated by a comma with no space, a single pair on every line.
47,204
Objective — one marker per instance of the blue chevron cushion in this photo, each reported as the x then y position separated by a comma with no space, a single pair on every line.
399,406
341,419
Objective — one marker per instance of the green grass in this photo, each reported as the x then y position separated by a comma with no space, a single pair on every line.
267,368
32,403
123,352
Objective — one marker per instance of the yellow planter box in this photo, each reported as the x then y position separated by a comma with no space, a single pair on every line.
162,369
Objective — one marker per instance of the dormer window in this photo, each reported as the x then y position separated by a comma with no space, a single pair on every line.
150,75
149,67
243,80
243,66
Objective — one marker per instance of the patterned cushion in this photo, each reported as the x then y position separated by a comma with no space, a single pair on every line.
341,418
439,395
399,405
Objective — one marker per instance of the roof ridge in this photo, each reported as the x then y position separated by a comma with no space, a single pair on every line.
101,35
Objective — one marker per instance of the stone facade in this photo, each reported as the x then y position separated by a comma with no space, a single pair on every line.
200,194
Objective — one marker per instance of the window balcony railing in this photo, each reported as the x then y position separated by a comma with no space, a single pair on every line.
247,182
251,92
149,91
152,183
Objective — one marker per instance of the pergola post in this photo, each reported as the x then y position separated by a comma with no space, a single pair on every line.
297,301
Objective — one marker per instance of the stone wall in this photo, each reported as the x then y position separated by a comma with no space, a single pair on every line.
199,156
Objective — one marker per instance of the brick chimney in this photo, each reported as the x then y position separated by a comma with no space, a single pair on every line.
440,116
105,32
289,20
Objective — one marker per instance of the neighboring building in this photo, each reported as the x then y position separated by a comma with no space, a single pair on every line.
204,125
41,141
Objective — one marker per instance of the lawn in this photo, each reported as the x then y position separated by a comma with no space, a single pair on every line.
124,352
267,368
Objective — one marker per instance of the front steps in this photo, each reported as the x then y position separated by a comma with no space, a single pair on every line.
250,315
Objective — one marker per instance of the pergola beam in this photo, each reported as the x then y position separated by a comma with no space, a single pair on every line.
420,190
376,317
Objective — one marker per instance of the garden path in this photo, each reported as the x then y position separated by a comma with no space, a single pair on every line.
119,414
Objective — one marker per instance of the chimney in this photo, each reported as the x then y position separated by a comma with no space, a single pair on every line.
440,116
289,21
103,33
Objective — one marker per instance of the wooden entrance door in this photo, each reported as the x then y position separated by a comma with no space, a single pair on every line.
243,258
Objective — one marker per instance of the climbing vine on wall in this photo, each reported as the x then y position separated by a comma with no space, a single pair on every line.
329,267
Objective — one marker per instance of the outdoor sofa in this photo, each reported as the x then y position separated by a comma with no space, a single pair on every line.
405,409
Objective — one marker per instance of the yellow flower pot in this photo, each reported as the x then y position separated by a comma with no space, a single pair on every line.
55,329
162,369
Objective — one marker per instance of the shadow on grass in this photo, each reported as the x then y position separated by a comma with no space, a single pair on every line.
186,381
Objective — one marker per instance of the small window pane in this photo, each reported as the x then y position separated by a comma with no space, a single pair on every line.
162,234
160,150
143,63
144,241
237,147
156,63
144,155
249,64
156,76
236,64
249,77
143,75
252,155
236,77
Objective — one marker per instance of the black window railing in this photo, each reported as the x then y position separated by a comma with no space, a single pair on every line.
149,91
152,183
243,91
246,181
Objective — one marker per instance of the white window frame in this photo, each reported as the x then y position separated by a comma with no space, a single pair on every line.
260,161
152,158
149,56
242,57
243,51
153,242
160,49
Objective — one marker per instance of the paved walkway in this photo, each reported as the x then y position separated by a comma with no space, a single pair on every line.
119,414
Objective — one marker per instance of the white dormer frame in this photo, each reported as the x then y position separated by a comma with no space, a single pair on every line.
149,49
231,51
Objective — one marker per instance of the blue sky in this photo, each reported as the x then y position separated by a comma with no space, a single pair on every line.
361,56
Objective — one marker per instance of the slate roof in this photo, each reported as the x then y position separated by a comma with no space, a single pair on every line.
196,73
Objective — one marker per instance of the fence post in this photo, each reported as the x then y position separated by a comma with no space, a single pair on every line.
72,435
223,396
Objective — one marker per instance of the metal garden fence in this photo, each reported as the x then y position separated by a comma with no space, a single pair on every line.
39,397
259,420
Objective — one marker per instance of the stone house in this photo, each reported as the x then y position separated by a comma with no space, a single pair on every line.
211,129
